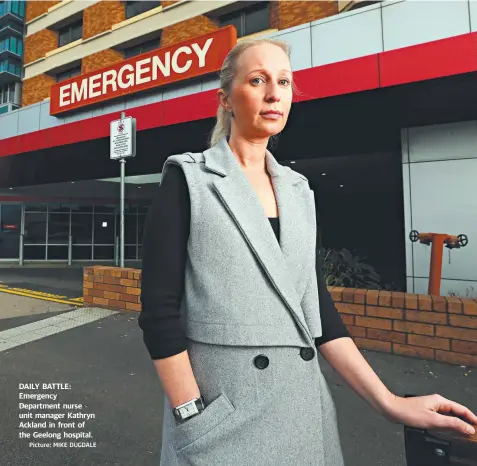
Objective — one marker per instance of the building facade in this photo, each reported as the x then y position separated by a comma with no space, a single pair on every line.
384,126
12,14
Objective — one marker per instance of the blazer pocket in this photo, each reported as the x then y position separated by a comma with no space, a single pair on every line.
201,424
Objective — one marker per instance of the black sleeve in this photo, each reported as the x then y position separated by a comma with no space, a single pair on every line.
166,234
331,321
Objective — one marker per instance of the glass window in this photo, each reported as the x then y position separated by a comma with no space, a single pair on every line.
10,215
70,33
71,73
35,207
34,252
15,7
35,228
142,48
136,8
82,252
248,20
130,228
82,228
58,228
57,253
103,252
104,229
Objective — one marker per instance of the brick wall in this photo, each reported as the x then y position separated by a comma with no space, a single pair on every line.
102,16
36,8
187,29
285,14
421,326
37,45
100,60
36,89
112,287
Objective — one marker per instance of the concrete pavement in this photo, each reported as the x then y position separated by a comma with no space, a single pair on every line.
110,373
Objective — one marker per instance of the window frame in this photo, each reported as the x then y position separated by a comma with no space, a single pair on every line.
129,5
143,47
241,14
74,69
68,30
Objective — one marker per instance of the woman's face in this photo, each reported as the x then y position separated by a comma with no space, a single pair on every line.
261,94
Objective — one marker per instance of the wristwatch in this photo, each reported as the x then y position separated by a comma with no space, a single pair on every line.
189,409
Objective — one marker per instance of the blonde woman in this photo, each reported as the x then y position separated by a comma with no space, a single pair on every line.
234,305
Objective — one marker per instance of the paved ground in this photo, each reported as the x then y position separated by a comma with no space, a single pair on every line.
109,371
103,358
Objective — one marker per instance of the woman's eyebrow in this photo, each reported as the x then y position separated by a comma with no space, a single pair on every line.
263,70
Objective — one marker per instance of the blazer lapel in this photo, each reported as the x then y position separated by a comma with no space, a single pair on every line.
240,200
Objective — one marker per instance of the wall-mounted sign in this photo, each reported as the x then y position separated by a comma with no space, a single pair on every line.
165,65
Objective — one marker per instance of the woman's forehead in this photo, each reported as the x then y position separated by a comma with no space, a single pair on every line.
264,56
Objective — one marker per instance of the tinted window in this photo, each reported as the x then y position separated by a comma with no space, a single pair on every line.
142,48
70,33
248,20
71,73
136,8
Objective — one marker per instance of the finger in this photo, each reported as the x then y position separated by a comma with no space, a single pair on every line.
453,423
448,406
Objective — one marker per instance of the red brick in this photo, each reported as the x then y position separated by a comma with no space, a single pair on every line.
348,295
454,305
372,297
413,351
413,327
101,17
429,317
137,275
100,301
134,291
111,295
37,8
113,288
347,319
387,312
411,301
373,345
88,284
457,333
356,331
88,299
384,298
439,303
133,307
129,298
386,335
397,299
112,280
337,293
429,342
113,304
130,275
36,89
463,321
128,282
470,307
456,358
359,296
348,308
464,347
424,302
187,29
384,324
284,14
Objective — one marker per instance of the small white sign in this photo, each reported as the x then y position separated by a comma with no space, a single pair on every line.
123,138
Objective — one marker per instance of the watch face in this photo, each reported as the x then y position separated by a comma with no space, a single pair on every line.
188,410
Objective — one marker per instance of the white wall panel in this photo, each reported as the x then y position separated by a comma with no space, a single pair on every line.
415,22
410,285
444,200
9,125
144,98
348,36
300,43
210,82
473,15
181,89
443,142
46,120
460,288
29,119
407,219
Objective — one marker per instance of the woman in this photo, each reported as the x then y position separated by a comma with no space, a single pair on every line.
233,306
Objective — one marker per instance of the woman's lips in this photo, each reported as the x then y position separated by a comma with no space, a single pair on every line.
271,115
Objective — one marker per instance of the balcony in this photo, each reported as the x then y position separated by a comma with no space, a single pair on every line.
10,70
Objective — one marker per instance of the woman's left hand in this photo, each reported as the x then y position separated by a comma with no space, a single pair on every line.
431,412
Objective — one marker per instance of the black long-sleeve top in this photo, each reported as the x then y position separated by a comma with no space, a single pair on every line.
165,240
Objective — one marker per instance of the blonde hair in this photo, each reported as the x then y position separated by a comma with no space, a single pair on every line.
227,75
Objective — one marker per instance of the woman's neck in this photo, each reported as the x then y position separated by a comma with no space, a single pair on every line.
250,153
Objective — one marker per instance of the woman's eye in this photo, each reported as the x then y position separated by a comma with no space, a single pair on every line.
284,82
256,80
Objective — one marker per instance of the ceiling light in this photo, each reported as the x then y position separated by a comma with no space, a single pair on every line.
341,185
292,161
10,188
323,174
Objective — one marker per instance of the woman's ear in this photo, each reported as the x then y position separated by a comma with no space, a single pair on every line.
223,101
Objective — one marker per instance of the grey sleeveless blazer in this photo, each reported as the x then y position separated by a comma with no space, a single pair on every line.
242,286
